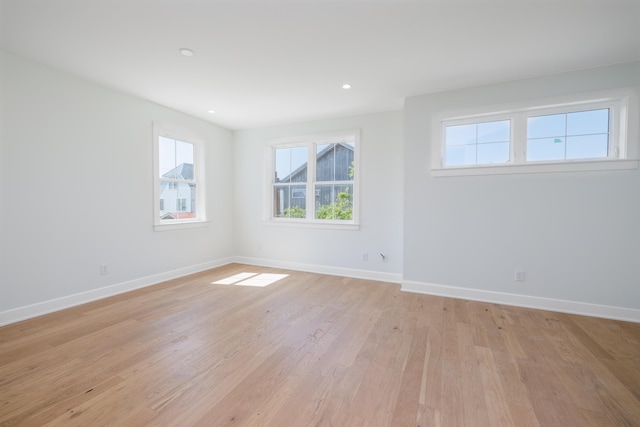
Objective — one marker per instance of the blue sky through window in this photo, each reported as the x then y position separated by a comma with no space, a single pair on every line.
576,135
173,153
477,143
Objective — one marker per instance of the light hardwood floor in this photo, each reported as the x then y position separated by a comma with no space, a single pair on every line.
313,350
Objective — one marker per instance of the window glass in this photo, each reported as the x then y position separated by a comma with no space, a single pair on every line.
587,146
287,202
334,201
291,164
477,143
315,179
572,135
177,179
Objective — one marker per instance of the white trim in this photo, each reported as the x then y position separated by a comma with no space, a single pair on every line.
527,301
565,166
327,224
180,225
564,306
321,269
45,307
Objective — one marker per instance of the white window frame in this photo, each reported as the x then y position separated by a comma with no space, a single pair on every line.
311,141
172,131
622,154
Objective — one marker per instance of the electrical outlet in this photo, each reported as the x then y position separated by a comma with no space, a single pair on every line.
365,256
383,257
519,276
104,269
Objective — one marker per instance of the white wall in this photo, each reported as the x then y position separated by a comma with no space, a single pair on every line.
309,248
70,148
76,185
577,235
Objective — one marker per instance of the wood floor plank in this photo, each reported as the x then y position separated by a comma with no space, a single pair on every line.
313,349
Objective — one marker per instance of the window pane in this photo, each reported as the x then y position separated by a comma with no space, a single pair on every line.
545,149
460,135
175,158
334,201
325,162
177,200
494,132
167,156
547,126
588,122
587,146
497,152
334,162
290,164
299,157
282,164
184,156
460,155
344,162
477,143
287,201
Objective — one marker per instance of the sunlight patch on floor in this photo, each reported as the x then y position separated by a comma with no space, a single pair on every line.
251,279
234,279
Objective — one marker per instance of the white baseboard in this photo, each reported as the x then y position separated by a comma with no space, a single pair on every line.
564,306
321,269
595,310
45,307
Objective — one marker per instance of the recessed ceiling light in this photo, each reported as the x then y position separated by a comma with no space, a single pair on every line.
211,111
346,86
186,52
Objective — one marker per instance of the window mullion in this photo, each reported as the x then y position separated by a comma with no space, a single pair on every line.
520,138
311,180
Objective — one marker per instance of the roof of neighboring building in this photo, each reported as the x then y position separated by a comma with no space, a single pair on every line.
182,171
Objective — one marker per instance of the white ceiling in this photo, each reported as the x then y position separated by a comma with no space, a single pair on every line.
268,62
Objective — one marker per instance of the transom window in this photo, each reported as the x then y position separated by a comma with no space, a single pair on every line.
527,138
313,179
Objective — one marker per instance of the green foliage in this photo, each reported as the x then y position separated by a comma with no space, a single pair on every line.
341,209
294,212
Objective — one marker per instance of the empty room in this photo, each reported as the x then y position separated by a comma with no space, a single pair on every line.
320,213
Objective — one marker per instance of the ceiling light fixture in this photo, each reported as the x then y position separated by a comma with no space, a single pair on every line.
186,52
346,86
211,111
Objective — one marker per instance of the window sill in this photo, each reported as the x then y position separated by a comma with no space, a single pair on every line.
572,166
180,225
312,224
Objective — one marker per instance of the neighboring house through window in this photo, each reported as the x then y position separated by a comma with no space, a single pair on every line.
178,187
314,179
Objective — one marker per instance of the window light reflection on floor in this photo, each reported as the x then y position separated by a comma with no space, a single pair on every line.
251,279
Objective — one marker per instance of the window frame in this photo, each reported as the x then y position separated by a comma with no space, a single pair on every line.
180,134
621,155
311,142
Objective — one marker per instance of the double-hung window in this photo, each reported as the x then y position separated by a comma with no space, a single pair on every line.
178,191
584,134
314,179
